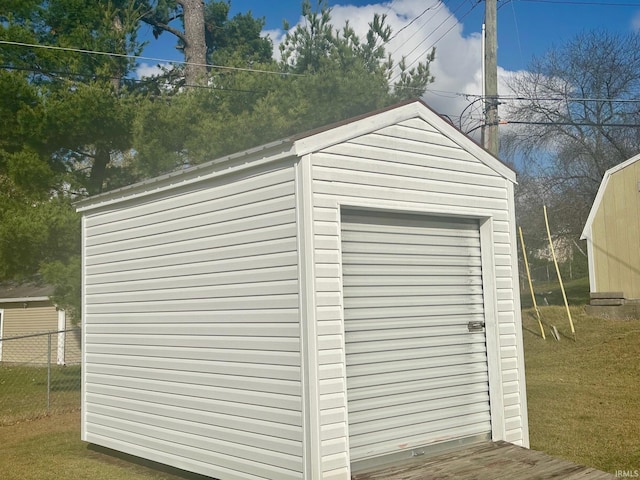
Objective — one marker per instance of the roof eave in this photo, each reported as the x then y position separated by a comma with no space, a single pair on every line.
586,232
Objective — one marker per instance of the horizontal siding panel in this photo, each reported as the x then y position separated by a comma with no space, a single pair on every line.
330,370
196,465
450,158
244,190
184,445
277,372
428,137
329,342
418,123
196,304
412,172
258,316
216,233
195,387
188,245
333,400
333,385
194,280
327,192
231,408
250,431
333,415
185,372
227,343
390,181
278,242
202,353
226,270
231,218
181,292
334,446
217,329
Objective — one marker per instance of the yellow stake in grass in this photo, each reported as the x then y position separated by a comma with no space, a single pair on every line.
533,297
553,254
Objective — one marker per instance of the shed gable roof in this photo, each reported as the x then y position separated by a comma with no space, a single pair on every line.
10,293
586,232
303,144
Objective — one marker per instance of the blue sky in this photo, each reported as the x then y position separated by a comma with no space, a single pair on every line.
525,28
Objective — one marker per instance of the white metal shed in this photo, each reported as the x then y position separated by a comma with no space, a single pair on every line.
307,308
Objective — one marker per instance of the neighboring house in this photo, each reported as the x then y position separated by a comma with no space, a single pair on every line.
612,232
308,308
26,316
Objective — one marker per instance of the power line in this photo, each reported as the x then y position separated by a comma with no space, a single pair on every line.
452,14
413,20
584,2
53,73
140,57
573,124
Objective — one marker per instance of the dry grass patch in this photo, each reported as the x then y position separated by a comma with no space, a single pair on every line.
584,395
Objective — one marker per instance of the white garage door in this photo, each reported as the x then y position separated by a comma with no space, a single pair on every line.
416,374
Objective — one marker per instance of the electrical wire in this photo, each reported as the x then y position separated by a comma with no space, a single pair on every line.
418,57
583,2
140,57
413,20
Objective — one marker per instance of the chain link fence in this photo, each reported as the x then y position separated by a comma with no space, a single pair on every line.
39,375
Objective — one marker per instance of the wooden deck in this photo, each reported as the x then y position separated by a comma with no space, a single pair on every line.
488,460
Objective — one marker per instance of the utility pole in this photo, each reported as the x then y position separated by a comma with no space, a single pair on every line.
490,130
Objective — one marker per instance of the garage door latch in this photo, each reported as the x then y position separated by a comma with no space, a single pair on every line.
475,326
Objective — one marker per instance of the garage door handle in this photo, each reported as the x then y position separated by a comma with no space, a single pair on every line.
475,326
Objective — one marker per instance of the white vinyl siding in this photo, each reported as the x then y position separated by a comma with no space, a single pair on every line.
407,167
416,376
192,335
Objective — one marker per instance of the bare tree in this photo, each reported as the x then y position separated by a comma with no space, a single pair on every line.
575,113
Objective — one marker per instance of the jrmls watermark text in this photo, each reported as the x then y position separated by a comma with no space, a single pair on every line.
627,473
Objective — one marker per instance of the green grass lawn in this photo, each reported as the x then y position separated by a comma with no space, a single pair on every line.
577,292
584,402
23,391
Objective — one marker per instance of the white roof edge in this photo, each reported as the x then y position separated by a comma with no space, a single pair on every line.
375,121
280,148
24,299
586,232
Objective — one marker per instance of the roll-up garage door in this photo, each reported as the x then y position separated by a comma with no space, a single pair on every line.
415,343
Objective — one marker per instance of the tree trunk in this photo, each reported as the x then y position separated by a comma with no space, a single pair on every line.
195,47
99,169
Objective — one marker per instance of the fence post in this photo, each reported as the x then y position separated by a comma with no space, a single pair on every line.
49,372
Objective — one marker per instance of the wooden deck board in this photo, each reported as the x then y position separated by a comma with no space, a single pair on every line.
488,460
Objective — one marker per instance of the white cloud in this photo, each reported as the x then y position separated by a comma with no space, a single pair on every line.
147,70
457,67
